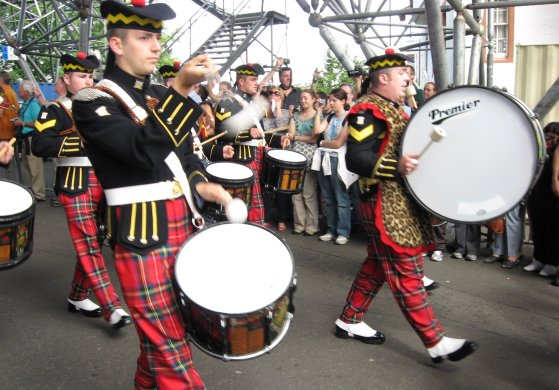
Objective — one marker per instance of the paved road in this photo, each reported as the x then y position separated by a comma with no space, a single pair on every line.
513,315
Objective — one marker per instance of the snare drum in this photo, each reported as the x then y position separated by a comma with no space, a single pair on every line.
17,218
284,171
237,179
491,156
236,285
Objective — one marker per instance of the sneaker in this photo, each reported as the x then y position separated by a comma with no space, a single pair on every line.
535,265
341,240
471,257
548,270
298,230
327,237
457,255
437,256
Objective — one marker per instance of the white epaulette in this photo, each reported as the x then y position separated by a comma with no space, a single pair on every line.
91,94
121,93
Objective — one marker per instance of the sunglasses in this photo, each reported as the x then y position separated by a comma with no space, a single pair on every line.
276,93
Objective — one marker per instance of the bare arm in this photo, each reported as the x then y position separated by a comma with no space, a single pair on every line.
555,173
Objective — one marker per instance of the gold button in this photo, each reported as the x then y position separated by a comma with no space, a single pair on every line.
176,189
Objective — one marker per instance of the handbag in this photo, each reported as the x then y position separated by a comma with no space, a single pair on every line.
305,149
496,225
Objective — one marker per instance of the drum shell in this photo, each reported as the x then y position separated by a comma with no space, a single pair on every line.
463,179
237,188
237,337
283,176
16,234
250,329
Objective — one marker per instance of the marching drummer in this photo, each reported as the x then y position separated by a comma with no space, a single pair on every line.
79,192
138,138
399,231
238,116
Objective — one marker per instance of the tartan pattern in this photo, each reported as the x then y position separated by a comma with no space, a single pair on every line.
165,360
256,212
404,276
90,272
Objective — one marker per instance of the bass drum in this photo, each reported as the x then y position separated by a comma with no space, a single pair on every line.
236,285
491,156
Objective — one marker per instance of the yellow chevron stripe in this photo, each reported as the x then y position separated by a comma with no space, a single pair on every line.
247,72
134,19
43,126
382,64
222,117
360,135
68,67
168,74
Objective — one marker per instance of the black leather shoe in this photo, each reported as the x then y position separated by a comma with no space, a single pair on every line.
467,349
124,321
377,338
432,286
86,307
120,319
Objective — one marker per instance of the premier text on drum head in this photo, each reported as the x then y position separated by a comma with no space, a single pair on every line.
437,116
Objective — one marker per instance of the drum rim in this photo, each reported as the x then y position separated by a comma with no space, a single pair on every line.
238,182
23,214
277,162
530,116
283,241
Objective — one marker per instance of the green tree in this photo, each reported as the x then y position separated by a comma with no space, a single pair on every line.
334,73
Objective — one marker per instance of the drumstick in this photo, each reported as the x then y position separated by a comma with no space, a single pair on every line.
5,148
410,93
437,135
211,139
276,129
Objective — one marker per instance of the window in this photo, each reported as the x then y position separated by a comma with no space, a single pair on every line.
503,33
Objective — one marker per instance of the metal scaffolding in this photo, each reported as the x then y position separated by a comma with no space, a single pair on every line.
40,30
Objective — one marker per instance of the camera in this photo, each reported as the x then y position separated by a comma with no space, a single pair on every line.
356,72
286,61
322,101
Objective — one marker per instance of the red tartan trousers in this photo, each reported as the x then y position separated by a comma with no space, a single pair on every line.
165,360
90,272
256,212
404,276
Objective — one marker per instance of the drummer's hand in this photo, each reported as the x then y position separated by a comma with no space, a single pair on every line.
285,141
408,163
228,152
6,152
192,73
213,192
256,133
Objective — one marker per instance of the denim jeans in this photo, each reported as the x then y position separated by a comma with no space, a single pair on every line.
337,201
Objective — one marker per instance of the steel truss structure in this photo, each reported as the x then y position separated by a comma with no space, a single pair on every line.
40,30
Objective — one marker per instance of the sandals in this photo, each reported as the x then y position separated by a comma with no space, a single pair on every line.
509,264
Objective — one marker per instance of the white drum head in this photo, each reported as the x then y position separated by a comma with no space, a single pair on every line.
14,199
486,163
228,170
287,155
234,268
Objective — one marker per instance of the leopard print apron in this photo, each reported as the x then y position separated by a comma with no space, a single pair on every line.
404,225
